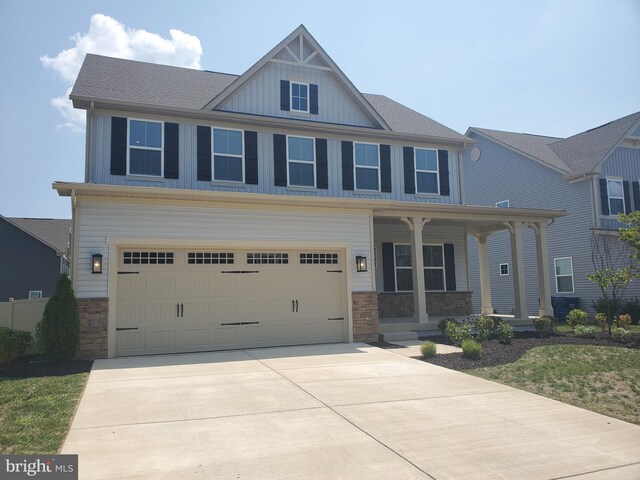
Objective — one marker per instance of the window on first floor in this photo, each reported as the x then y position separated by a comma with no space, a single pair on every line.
367,166
228,155
427,179
145,148
564,274
504,269
615,192
301,161
433,266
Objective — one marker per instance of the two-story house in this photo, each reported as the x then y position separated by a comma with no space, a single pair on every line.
281,206
594,175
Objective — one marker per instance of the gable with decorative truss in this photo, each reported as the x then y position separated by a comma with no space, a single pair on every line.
297,79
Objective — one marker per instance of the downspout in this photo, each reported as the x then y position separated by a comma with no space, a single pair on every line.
74,241
88,164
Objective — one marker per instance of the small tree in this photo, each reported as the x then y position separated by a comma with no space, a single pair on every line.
613,269
631,233
59,329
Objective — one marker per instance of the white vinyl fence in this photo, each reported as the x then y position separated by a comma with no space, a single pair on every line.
22,314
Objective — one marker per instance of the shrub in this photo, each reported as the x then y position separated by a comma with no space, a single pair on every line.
632,307
442,324
623,321
13,344
544,325
600,306
504,332
576,317
458,333
485,328
496,321
59,330
471,349
428,349
620,335
601,321
585,331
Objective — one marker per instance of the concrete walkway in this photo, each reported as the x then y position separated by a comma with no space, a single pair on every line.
335,411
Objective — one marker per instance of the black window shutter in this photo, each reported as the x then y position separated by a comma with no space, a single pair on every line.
388,267
204,153
171,134
313,99
284,95
604,197
118,146
251,158
443,170
347,165
322,170
635,186
280,160
385,168
627,197
450,267
409,170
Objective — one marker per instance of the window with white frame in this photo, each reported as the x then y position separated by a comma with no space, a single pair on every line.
367,166
299,97
301,161
502,204
433,267
615,191
504,269
427,180
228,155
403,267
35,294
564,274
145,148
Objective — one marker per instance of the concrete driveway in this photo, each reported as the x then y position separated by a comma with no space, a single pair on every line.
343,411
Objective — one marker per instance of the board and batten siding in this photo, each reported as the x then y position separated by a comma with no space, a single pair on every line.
188,178
98,221
431,234
261,96
528,184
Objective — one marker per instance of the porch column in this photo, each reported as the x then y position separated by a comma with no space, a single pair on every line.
485,279
517,261
416,224
542,254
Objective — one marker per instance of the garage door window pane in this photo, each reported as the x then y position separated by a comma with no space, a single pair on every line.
267,258
210,258
147,258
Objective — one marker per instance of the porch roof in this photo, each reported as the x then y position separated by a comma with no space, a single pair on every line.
479,218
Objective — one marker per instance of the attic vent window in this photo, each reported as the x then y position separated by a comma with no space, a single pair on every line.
299,97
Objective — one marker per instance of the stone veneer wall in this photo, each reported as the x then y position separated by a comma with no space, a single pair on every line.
365,316
392,304
93,328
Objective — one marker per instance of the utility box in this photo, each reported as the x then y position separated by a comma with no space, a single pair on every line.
563,305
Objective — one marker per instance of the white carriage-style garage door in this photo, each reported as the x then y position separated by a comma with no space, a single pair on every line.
188,300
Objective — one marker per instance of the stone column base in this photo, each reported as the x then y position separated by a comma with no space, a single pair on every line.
94,317
365,316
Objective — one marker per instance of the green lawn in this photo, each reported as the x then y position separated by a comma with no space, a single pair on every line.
35,413
602,379
564,328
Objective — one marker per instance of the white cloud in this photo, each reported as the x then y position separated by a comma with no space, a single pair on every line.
109,37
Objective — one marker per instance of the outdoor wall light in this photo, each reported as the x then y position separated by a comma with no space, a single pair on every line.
361,264
96,263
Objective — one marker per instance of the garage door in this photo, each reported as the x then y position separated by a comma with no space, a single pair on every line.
181,300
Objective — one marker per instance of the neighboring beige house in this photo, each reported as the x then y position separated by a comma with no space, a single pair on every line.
281,206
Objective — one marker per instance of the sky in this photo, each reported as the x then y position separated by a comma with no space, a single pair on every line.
552,68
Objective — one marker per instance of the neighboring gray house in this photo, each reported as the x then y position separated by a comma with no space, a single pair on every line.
594,175
277,207
33,252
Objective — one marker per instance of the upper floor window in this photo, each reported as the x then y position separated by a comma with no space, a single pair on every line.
299,97
228,155
301,161
426,171
564,274
615,192
145,148
367,166
502,204
35,294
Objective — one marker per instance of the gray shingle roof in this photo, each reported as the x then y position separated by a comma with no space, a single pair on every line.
130,81
577,154
52,231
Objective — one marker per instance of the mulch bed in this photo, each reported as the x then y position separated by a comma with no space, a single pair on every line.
34,366
498,354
